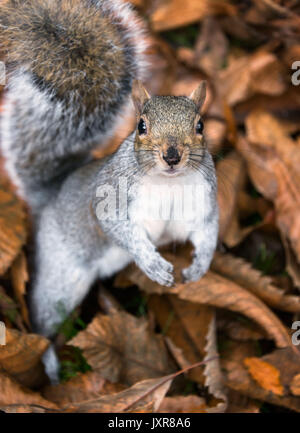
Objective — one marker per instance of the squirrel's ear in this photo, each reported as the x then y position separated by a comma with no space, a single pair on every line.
139,96
198,95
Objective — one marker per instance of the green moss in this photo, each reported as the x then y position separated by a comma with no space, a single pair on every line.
183,37
76,363
264,260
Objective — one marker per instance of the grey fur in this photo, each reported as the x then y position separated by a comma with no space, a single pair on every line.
70,253
47,133
49,125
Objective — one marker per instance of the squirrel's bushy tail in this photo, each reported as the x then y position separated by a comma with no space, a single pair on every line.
70,66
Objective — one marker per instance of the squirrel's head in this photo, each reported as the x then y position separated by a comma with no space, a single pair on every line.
169,134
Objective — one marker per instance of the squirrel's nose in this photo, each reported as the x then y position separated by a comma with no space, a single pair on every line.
172,157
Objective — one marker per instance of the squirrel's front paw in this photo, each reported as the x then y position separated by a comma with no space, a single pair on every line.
192,273
159,270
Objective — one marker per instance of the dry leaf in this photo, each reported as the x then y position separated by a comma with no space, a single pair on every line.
186,325
265,374
147,393
123,349
21,355
231,176
287,363
82,387
18,408
295,385
10,311
245,76
292,265
182,404
237,330
210,53
191,336
273,168
144,396
20,277
242,404
278,183
165,15
270,377
217,291
13,393
267,132
212,371
239,379
242,272
12,225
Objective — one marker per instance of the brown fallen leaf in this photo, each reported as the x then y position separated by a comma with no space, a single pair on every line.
82,387
295,385
12,225
20,277
273,171
146,395
212,371
239,379
290,100
292,265
217,291
231,176
237,330
265,374
167,15
182,404
13,393
242,272
269,8
186,325
260,72
242,404
190,333
32,408
123,349
21,356
286,362
210,53
267,132
163,66
10,311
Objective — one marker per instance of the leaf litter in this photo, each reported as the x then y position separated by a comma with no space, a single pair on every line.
234,325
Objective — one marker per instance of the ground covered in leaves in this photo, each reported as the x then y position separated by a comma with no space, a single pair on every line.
122,348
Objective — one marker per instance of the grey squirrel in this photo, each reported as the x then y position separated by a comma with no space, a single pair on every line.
71,68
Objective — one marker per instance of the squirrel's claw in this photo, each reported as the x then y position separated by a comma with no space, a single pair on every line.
160,271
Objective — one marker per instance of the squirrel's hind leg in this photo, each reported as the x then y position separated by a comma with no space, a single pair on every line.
51,364
61,281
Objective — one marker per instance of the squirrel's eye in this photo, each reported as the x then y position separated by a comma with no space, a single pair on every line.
142,128
199,127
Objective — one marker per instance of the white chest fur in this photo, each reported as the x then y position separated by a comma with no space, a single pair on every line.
170,208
